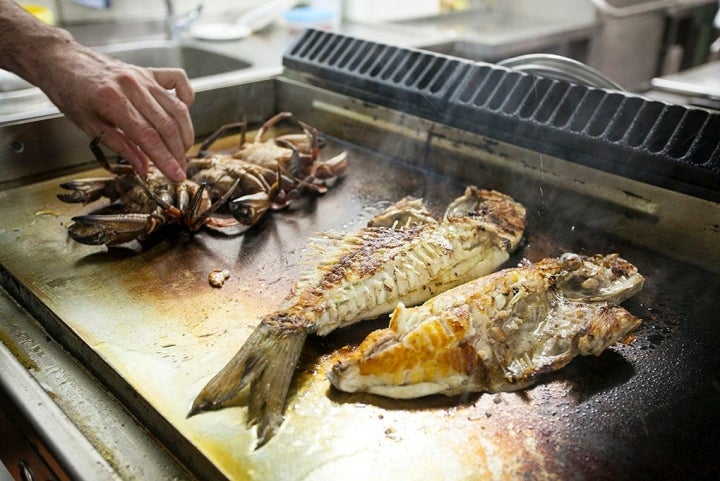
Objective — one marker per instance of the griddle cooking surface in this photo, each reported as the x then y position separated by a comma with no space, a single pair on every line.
149,319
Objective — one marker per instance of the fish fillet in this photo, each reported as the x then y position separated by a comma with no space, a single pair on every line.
498,332
403,255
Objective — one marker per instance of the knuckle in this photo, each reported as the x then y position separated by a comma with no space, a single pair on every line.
106,110
149,138
176,107
176,73
108,91
127,78
167,127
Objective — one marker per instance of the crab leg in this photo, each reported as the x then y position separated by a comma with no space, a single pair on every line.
103,161
184,201
171,210
312,135
192,208
330,168
269,123
203,149
205,216
250,208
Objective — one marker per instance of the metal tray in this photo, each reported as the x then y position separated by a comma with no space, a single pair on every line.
146,323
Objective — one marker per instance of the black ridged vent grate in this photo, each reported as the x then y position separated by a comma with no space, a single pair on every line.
671,146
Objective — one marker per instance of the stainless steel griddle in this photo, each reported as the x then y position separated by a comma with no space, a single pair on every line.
147,325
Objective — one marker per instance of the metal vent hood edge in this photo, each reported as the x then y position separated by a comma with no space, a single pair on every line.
670,146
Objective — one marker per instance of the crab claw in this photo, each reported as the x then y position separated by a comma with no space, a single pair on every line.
111,229
89,190
248,209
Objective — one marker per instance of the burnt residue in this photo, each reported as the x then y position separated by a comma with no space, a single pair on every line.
640,410
643,410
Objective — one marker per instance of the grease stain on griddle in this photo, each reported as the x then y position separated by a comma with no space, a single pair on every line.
643,410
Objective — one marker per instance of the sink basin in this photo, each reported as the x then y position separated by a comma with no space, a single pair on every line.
203,66
196,61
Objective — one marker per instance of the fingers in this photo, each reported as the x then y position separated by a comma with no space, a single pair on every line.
151,118
168,115
154,126
119,142
142,119
175,78
180,114
149,128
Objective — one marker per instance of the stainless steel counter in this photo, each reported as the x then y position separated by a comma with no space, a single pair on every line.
77,423
698,85
492,37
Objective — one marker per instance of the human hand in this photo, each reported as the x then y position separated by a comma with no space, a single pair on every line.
133,107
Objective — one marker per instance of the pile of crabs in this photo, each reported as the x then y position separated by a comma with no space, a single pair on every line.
259,176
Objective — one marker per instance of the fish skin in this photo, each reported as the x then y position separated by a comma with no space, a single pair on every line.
498,332
404,255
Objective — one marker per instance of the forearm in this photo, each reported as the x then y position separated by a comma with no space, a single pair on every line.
26,42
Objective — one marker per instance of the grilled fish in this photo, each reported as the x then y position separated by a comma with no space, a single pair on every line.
498,332
405,255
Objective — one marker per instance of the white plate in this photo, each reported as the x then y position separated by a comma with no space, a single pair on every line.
220,31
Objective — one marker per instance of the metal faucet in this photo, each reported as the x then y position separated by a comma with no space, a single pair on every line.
176,24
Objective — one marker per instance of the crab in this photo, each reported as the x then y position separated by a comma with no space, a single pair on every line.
139,206
272,172
259,176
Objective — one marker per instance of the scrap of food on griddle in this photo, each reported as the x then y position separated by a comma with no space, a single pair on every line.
404,255
262,175
498,332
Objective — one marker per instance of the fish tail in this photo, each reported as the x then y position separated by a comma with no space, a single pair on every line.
266,362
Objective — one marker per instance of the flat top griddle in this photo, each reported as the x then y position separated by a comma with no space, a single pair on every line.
147,323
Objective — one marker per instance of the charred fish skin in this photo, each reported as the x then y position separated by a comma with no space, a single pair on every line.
405,255
498,332
380,266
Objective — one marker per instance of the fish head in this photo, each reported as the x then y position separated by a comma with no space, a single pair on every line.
607,278
491,210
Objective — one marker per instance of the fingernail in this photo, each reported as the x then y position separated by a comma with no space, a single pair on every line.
177,175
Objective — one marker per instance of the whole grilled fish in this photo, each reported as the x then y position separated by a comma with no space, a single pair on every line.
404,254
498,332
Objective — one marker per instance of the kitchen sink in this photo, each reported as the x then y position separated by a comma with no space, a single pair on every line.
207,70
196,61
